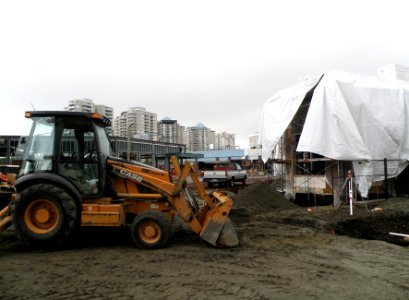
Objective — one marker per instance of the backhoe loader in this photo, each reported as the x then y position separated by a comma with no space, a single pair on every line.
69,179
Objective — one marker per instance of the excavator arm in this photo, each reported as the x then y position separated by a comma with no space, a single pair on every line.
7,196
5,218
209,218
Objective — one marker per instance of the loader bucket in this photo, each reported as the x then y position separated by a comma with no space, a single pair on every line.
211,221
217,228
228,236
219,234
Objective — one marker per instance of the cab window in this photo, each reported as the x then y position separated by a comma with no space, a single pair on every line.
78,158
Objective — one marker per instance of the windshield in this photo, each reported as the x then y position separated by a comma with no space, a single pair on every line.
105,146
39,147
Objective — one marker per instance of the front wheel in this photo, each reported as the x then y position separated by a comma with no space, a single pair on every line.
151,230
44,215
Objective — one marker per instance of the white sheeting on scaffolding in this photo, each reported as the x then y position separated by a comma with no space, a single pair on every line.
351,117
278,111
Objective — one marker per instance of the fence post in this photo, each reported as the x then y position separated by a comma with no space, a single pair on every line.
350,192
332,186
385,166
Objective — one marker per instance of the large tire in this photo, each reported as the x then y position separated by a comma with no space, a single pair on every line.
151,230
44,215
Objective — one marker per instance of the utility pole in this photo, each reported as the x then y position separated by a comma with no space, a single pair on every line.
128,152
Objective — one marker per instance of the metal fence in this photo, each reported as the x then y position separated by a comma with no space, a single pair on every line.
325,178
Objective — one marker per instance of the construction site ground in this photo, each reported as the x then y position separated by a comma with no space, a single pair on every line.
286,252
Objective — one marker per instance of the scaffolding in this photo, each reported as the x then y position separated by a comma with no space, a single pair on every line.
311,178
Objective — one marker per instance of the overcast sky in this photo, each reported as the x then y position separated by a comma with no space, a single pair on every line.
214,62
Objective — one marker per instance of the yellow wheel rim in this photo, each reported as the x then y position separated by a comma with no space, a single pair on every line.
149,232
41,216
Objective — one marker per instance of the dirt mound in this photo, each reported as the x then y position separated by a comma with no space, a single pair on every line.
376,227
364,224
262,197
261,200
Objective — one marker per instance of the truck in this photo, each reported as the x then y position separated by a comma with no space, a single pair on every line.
69,179
224,173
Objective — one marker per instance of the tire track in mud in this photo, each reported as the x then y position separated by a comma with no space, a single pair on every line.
281,262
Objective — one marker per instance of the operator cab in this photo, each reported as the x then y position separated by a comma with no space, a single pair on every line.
72,145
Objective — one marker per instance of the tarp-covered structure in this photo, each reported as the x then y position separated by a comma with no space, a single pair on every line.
351,117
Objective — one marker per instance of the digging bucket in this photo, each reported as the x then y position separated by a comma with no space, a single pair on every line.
217,228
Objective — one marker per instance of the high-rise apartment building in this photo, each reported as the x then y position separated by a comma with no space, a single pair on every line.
199,138
119,124
105,111
108,112
88,106
169,131
182,136
83,105
225,141
140,123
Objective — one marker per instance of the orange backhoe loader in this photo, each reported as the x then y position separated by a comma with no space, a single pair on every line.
69,179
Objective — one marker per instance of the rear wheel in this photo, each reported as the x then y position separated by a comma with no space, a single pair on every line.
44,215
151,230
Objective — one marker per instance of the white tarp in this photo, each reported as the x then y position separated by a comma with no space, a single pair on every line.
351,117
278,111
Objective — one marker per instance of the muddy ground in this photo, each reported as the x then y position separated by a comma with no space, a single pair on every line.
285,252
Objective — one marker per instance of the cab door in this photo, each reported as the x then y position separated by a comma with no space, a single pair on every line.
78,159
